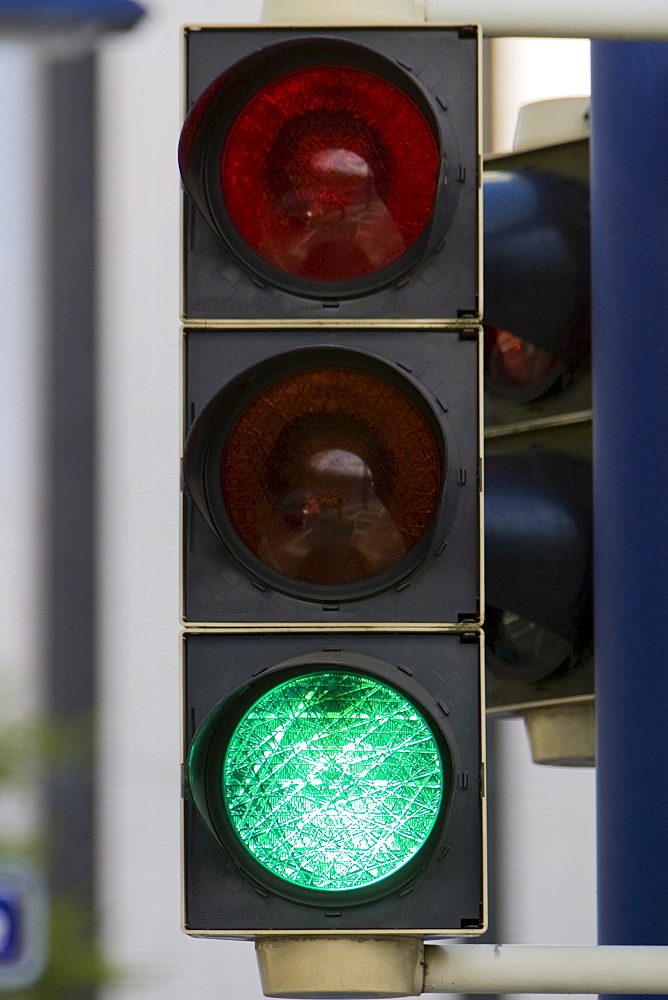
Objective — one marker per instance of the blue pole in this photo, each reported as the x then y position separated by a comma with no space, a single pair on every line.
629,185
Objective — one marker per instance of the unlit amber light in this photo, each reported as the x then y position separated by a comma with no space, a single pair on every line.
331,475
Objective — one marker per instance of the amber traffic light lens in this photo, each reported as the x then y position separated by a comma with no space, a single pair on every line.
330,173
331,475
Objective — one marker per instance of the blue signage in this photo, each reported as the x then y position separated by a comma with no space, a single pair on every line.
10,923
111,14
23,923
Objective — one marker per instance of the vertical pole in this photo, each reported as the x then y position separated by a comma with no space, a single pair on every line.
70,467
630,387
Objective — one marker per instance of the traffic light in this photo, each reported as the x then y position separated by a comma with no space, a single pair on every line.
333,783
331,558
331,477
538,518
332,175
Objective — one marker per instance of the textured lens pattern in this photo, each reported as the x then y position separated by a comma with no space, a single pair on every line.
330,173
331,475
333,780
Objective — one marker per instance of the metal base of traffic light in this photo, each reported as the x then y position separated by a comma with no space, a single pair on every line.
382,967
563,734
340,966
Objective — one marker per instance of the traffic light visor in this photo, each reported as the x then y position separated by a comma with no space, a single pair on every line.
537,284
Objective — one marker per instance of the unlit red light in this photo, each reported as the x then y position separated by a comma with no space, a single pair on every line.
513,362
330,173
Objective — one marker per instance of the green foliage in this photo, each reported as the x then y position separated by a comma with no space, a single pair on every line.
75,965
29,751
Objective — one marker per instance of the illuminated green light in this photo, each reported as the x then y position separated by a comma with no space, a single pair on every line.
333,780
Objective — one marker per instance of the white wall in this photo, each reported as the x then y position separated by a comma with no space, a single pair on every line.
20,413
533,69
548,850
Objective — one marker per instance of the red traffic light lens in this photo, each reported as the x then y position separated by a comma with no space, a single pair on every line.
512,363
331,475
330,173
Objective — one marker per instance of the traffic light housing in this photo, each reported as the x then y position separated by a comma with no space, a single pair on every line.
334,783
538,519
331,478
382,224
331,560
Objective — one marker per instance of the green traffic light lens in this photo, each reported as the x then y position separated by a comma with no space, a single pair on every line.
333,780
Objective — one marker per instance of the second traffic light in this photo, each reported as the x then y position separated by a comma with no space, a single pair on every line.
538,510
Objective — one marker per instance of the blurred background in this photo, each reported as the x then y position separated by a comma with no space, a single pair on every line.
89,580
